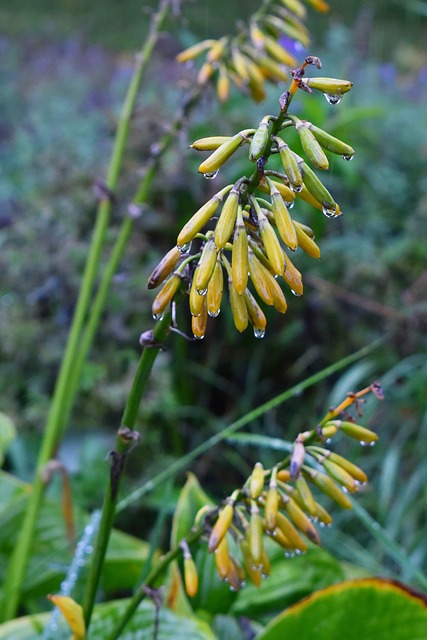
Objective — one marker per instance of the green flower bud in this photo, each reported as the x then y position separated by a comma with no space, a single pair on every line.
227,219
332,144
333,88
215,291
239,261
209,144
238,307
221,154
221,526
201,217
319,191
312,148
290,165
206,266
261,139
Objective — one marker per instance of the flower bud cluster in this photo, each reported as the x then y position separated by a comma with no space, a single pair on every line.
244,234
284,503
256,55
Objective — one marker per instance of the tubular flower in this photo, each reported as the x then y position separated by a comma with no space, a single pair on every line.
243,235
282,502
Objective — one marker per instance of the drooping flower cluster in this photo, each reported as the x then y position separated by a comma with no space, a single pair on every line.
282,503
258,54
249,240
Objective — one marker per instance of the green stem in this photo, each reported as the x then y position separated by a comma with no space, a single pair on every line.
123,445
179,465
156,572
60,405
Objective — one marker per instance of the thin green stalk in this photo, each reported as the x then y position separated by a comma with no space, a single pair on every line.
180,464
124,443
156,572
58,410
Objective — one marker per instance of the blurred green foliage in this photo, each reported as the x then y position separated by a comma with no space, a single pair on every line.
60,93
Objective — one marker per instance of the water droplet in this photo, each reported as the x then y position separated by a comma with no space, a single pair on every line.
211,176
184,248
198,337
289,554
88,549
367,444
296,188
214,314
296,294
333,98
330,211
347,157
157,316
259,333
289,205
201,292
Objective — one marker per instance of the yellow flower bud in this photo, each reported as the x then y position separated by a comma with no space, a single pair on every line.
296,7
290,165
293,278
319,191
271,69
287,194
221,155
283,475
333,88
257,36
195,50
351,468
322,515
201,217
320,5
236,575
215,290
165,295
357,432
227,219
255,533
306,243
259,278
222,558
221,526
239,260
311,146
256,483
238,307
253,571
209,144
282,217
334,145
206,72
300,519
340,475
223,84
305,495
277,51
294,539
206,266
197,300
261,139
164,268
271,506
256,315
199,323
217,50
328,486
191,579
271,243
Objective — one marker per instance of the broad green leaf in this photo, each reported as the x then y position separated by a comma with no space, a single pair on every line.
7,434
367,609
52,552
141,626
191,499
291,579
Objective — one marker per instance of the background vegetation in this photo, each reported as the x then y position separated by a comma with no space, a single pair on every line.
64,72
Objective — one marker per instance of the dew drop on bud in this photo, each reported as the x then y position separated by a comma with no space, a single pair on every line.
367,444
214,314
184,248
289,205
201,292
259,333
329,211
157,316
347,157
198,337
295,293
211,176
296,188
333,98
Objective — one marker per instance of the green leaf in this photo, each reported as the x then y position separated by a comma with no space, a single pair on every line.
191,499
7,434
291,579
141,626
368,609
